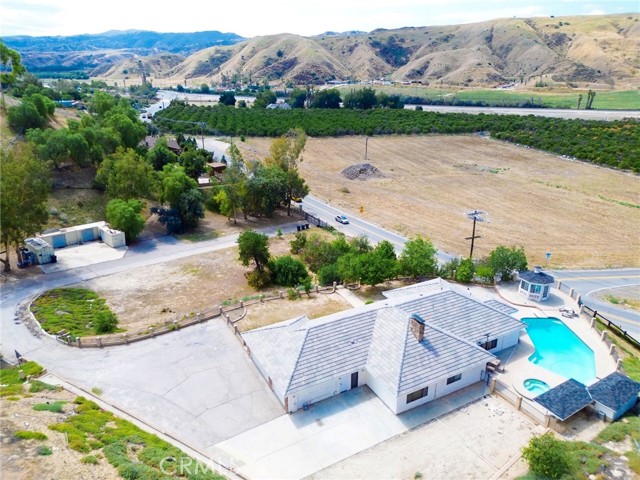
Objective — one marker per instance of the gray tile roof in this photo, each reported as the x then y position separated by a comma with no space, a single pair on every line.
462,315
566,399
430,286
501,307
301,353
404,365
536,277
615,390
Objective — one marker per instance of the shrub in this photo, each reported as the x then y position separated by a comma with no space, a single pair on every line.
257,279
90,459
329,274
547,456
298,243
485,272
29,435
465,271
105,322
44,450
55,407
293,294
287,271
38,386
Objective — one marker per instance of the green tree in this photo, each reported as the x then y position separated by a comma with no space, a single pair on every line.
131,132
326,99
204,88
25,116
24,187
227,98
286,153
418,258
297,98
378,265
287,271
46,107
101,103
266,189
547,456
264,98
12,68
126,175
504,260
253,247
160,155
194,161
126,215
363,99
233,190
181,192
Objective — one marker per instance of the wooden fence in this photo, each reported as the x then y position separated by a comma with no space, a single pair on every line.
616,329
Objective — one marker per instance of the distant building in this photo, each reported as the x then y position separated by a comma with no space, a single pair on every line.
535,285
172,144
420,344
279,106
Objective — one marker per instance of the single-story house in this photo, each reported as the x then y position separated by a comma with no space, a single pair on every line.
172,144
614,395
535,285
416,346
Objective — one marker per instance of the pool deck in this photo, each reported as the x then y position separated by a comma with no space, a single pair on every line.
517,366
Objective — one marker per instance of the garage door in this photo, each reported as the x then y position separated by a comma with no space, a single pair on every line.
59,241
87,235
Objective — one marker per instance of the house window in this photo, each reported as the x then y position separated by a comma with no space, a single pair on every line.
524,285
535,288
412,397
454,379
546,291
490,345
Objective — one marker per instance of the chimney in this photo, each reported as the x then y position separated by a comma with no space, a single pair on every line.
537,269
416,325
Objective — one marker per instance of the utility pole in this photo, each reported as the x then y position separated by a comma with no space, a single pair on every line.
476,216
366,148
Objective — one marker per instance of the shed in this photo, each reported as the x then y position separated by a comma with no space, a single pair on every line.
113,238
535,285
42,251
217,167
614,395
566,399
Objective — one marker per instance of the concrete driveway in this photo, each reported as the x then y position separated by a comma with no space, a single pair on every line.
196,384
297,445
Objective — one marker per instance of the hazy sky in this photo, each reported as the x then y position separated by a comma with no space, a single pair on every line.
250,18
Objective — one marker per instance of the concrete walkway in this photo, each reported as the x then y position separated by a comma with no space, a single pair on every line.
349,296
297,445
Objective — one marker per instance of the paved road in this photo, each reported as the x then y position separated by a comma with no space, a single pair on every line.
358,226
592,285
608,115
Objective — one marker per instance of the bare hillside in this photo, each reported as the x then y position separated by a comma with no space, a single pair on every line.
580,51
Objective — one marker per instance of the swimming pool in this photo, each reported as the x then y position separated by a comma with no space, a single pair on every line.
560,350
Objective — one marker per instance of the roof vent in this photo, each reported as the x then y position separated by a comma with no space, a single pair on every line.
416,325
537,269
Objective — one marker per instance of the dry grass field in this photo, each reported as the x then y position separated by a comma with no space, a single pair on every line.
586,216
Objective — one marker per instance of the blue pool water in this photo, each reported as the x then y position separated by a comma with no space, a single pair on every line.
559,349
536,386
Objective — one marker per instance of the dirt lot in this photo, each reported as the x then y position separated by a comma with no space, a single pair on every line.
160,293
586,216
19,458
